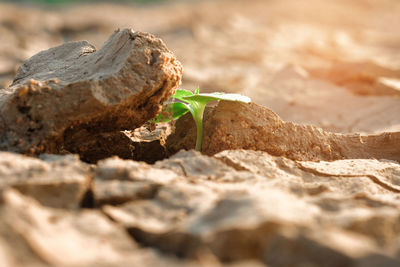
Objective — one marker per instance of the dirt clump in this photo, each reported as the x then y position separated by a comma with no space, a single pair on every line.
234,125
61,96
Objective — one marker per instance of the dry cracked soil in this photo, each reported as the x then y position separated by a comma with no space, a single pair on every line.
307,174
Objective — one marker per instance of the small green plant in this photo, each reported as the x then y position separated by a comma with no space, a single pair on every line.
195,103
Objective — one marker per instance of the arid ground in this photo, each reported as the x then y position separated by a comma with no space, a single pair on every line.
306,175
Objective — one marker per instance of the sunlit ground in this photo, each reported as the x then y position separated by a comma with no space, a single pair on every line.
335,64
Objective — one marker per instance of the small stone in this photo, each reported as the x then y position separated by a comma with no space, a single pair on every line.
128,170
118,192
58,181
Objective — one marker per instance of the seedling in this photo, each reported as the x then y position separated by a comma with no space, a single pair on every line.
195,103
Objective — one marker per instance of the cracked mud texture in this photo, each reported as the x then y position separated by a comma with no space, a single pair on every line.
58,182
332,65
239,207
54,237
235,125
63,96
208,211
309,216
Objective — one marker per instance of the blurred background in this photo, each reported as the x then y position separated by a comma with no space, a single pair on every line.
334,64
57,2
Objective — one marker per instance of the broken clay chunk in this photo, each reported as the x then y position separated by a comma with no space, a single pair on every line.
62,96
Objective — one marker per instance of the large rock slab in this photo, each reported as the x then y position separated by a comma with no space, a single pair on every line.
39,236
234,125
62,96
243,204
237,206
55,236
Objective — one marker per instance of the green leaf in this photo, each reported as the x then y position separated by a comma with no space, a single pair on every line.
178,110
205,98
179,94
172,111
195,104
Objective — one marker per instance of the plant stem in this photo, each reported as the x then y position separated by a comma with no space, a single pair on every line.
198,118
199,137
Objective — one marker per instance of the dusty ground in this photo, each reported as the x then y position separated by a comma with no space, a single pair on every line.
332,64
335,65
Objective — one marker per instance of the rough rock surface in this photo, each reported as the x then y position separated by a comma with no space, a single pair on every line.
239,207
242,205
59,182
39,236
119,181
233,125
64,95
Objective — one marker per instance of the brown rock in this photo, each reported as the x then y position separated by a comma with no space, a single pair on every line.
281,212
365,180
59,181
236,206
234,125
356,195
170,207
149,145
193,164
384,173
43,235
253,161
117,192
322,247
243,220
184,218
233,206
117,181
63,95
128,170
31,235
155,222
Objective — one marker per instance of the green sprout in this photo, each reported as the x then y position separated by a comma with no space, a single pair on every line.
195,103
